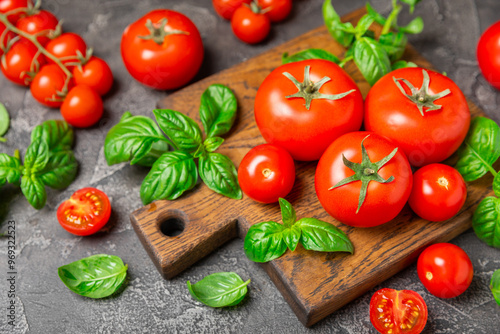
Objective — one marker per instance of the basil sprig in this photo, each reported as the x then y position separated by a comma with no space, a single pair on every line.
269,240
4,122
219,289
495,286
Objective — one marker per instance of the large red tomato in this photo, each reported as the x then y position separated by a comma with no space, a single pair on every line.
163,49
304,106
363,189
38,22
488,54
428,121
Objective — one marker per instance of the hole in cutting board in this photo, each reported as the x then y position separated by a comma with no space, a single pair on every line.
172,227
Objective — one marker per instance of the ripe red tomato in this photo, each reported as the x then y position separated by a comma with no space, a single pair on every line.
96,74
162,50
276,10
250,25
425,136
8,36
226,8
18,61
306,130
344,201
398,311
9,5
445,270
66,47
266,173
85,213
488,50
82,107
38,22
46,84
438,192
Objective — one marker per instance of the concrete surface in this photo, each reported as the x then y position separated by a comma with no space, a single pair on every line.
150,304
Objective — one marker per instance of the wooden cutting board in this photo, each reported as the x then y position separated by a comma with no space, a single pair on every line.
314,284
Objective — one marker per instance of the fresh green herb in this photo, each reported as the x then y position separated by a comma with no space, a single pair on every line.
220,175
371,59
309,54
182,130
219,289
96,276
218,110
342,32
402,64
4,122
267,241
495,286
486,221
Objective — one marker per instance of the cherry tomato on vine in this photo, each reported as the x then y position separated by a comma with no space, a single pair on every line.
82,107
38,22
8,36
226,8
162,50
488,50
266,173
9,5
249,24
19,61
46,84
445,270
438,192
398,311
276,10
66,47
85,213
96,74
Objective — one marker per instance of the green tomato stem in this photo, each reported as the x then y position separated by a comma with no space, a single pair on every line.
392,19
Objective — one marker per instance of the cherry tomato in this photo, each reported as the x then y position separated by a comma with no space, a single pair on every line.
41,21
46,84
162,50
398,311
250,25
306,130
425,136
445,270
276,10
66,47
8,36
488,51
383,201
96,74
438,192
85,213
226,8
18,62
266,173
82,107
9,5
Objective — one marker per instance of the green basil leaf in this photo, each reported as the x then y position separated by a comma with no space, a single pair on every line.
375,15
220,175
10,169
394,44
291,236
218,110
37,156
264,242
182,130
480,149
96,276
309,54
171,175
414,27
211,144
56,133
402,64
337,29
411,3
364,24
34,190
324,237
219,289
288,214
495,285
4,120
496,184
60,170
371,59
486,221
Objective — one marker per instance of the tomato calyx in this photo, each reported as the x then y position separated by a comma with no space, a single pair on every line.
255,8
309,90
366,171
421,97
157,31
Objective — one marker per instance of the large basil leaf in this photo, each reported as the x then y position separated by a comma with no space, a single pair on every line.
414,27
288,214
264,242
60,170
324,237
96,276
364,24
220,175
57,134
219,289
171,175
486,221
10,169
371,59
480,149
309,54
343,33
37,156
495,285
34,190
4,121
394,44
182,130
218,110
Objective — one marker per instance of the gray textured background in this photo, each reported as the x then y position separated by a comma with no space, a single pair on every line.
150,304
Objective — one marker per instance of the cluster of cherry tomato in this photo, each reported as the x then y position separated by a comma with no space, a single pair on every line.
59,69
251,19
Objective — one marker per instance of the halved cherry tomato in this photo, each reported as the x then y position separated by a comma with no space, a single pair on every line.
85,213
18,62
66,47
96,74
276,10
82,107
38,22
226,8
249,24
46,84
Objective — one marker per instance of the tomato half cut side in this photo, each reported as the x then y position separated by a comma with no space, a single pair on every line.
85,213
398,311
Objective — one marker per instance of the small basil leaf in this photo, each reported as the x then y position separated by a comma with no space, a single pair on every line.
10,169
57,134
496,185
219,289
37,156
34,191
495,285
394,44
288,214
171,175
96,276
309,54
291,236
480,149
60,170
336,27
486,221
220,175
371,59
212,144
4,120
264,242
182,130
402,64
375,15
218,110
414,27
324,237
364,24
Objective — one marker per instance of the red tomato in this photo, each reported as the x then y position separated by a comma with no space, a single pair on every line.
276,10
250,25
41,21
438,192
398,311
66,47
18,62
288,122
445,270
383,201
9,5
82,107
425,136
226,8
488,51
164,54
8,36
96,74
266,173
85,213
46,84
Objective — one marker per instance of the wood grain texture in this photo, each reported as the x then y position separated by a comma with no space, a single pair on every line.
314,284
